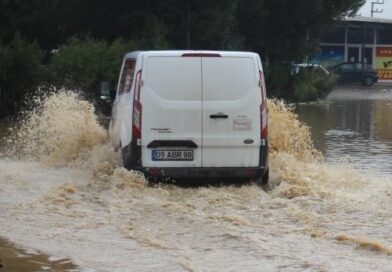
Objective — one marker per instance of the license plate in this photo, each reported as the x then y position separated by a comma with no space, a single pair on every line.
172,155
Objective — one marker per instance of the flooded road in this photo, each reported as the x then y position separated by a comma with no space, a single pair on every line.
359,130
62,193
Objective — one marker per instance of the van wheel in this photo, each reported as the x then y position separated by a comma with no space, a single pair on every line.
263,180
131,155
368,81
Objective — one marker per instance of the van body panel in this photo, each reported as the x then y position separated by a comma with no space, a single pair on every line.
230,87
172,107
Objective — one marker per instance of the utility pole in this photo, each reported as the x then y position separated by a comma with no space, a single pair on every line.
373,10
363,46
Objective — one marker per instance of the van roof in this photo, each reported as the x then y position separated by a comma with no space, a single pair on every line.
135,54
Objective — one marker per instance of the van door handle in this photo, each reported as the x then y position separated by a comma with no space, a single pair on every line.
219,115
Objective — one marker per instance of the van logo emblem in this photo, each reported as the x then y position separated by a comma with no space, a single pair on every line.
248,141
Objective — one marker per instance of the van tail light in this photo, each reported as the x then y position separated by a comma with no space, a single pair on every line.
138,85
137,108
263,109
137,120
264,121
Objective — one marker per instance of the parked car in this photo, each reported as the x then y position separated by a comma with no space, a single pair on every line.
298,67
355,72
192,114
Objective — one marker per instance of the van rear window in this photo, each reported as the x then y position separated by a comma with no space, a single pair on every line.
127,76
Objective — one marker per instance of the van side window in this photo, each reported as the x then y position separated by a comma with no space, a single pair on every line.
127,76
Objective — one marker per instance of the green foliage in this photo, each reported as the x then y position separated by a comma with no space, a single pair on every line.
304,89
278,79
36,20
311,84
287,30
281,31
324,83
214,25
20,72
83,64
155,35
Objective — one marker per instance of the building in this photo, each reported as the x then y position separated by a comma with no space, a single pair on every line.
357,39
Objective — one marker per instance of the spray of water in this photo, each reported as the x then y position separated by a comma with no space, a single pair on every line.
61,129
289,135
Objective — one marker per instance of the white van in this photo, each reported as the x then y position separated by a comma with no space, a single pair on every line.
192,114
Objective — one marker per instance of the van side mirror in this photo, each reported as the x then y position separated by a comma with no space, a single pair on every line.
106,93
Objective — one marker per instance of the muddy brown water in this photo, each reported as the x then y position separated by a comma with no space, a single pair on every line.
318,216
14,259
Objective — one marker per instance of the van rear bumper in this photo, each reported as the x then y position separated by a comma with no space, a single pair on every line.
204,172
199,172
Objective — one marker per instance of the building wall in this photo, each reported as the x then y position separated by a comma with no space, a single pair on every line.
348,41
383,62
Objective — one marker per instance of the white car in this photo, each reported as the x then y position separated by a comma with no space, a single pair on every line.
296,68
192,114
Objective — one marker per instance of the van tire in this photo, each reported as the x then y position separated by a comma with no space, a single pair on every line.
263,180
130,156
126,161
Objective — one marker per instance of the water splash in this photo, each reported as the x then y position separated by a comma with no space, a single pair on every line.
288,135
61,129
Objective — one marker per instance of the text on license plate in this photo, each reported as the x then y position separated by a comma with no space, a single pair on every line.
172,155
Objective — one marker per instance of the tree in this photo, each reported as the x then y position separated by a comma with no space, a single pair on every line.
83,64
286,30
20,73
36,20
281,31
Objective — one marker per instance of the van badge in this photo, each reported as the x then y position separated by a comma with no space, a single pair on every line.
243,124
162,130
248,141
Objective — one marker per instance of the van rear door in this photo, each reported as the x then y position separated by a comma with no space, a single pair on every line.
171,99
231,111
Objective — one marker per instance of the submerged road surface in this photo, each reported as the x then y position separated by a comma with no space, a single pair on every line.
317,215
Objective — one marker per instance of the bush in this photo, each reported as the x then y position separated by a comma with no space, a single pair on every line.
83,64
324,83
312,84
309,84
304,90
20,73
